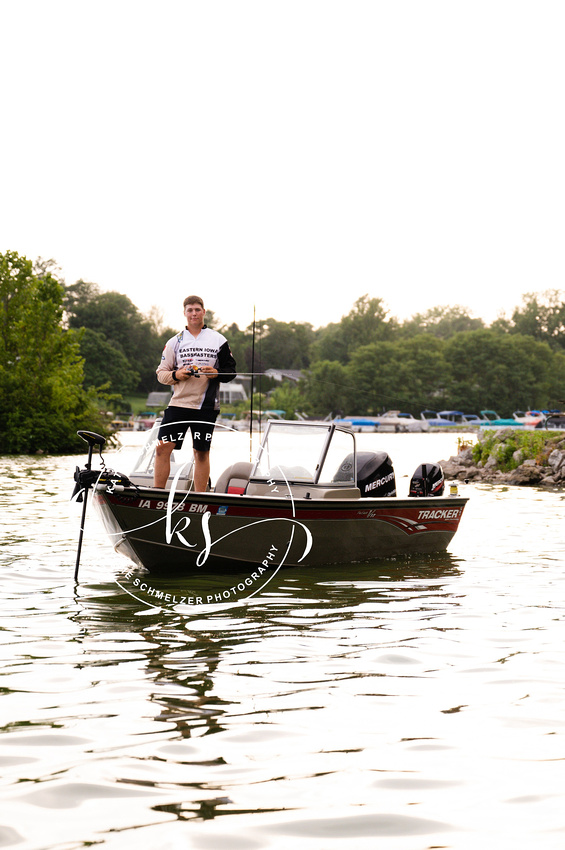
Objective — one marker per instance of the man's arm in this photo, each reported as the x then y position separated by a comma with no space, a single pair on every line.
166,367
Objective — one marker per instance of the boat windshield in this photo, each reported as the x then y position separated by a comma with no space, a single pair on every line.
146,458
306,453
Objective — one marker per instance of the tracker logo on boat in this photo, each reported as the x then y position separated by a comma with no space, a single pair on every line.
441,513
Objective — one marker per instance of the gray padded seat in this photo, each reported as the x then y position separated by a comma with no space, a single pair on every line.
235,478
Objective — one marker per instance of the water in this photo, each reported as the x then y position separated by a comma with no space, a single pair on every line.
399,704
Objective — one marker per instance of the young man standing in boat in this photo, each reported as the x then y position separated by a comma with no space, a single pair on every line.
194,362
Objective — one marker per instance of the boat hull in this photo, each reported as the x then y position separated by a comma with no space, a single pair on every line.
184,532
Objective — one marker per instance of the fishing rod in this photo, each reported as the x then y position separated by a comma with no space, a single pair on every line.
260,387
249,374
389,399
252,373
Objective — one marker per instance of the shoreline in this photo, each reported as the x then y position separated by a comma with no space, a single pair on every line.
509,456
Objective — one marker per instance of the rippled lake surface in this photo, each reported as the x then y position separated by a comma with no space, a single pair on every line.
408,704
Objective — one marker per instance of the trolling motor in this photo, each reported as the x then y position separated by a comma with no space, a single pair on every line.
86,477
85,480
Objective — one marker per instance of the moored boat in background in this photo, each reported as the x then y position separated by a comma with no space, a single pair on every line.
391,421
395,420
519,419
553,420
359,424
435,420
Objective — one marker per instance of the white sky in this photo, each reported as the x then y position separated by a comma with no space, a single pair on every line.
290,156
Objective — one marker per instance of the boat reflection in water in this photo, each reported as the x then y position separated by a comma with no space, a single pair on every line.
309,499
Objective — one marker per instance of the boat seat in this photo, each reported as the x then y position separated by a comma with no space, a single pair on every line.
234,479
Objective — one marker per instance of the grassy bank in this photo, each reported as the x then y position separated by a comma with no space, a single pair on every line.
136,402
511,456
511,447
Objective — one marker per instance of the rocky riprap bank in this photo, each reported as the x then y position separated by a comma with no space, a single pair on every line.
509,456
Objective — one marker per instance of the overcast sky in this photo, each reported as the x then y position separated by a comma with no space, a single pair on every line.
288,156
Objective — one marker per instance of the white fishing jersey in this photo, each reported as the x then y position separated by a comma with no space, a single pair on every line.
209,348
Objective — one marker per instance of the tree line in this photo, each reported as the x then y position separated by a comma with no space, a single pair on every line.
441,359
68,352
43,399
365,363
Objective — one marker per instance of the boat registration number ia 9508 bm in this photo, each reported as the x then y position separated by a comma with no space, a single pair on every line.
161,505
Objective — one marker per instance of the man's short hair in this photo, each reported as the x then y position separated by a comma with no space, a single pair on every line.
192,299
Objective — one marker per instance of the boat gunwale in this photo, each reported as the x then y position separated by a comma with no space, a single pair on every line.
241,499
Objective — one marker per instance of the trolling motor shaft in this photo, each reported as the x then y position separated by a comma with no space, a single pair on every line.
85,478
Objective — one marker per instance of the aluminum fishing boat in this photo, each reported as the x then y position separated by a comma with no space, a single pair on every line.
310,498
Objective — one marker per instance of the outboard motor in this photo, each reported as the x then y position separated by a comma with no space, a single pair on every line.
375,474
427,480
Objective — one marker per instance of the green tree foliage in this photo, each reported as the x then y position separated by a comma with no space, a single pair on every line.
282,345
365,363
118,332
443,322
442,359
42,401
326,389
330,345
471,371
408,375
436,368
367,322
424,373
240,343
106,364
371,375
505,372
556,393
542,316
289,398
